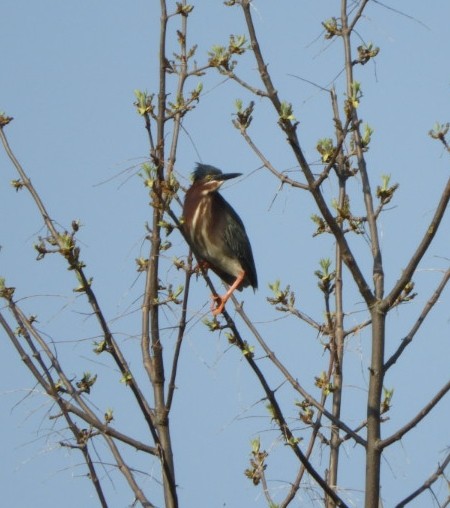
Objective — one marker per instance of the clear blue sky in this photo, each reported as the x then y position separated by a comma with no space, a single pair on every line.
68,74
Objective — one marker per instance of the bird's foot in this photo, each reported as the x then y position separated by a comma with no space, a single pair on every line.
201,267
217,305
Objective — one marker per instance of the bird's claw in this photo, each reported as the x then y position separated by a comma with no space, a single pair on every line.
217,305
201,267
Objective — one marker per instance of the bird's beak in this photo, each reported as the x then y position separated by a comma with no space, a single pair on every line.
228,176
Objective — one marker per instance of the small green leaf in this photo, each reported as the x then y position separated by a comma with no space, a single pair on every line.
439,131
366,52
256,445
212,325
6,292
109,416
82,287
331,28
143,103
367,135
86,382
17,184
126,378
248,350
100,347
387,400
286,112
326,149
5,119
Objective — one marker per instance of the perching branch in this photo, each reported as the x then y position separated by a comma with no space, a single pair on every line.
286,432
288,376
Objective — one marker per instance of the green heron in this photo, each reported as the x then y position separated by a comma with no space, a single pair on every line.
217,234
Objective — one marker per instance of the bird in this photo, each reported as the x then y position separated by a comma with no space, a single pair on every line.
216,233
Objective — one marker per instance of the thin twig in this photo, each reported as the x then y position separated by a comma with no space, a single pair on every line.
288,376
428,306
77,268
290,130
286,432
422,248
417,419
244,84
427,483
281,176
181,330
66,407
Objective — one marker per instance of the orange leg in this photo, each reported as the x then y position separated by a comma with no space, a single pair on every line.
220,301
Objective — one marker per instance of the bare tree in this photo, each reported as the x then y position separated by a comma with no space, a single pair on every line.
319,424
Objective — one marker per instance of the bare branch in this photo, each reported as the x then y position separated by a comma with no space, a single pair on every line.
427,484
358,328
358,15
126,471
421,249
337,337
181,330
77,267
244,84
277,412
378,275
295,384
428,306
304,317
93,476
417,419
373,454
67,407
281,176
108,430
23,355
50,388
290,129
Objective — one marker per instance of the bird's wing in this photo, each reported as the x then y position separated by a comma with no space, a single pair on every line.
237,241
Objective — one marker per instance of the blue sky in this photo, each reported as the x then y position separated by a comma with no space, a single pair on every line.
68,74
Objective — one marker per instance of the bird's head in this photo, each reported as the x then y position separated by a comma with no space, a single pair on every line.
209,179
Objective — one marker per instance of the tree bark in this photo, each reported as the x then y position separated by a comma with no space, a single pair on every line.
376,376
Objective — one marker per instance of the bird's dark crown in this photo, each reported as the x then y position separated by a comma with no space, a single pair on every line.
203,171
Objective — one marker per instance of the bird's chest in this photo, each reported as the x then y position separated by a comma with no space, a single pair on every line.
209,236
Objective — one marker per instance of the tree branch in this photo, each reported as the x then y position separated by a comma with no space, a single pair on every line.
281,176
358,15
244,84
277,413
417,419
428,306
294,383
421,249
290,129
181,330
76,266
66,407
427,484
